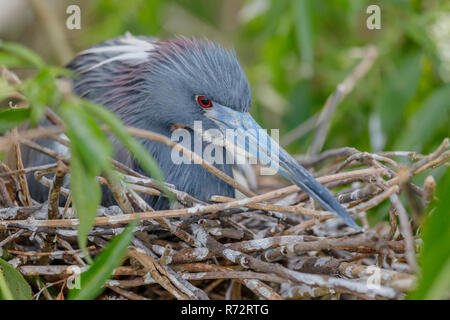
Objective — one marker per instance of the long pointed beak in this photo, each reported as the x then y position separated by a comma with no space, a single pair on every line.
245,138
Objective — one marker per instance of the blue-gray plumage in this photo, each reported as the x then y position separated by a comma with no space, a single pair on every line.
161,85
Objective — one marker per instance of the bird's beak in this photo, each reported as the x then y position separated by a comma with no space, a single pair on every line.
243,136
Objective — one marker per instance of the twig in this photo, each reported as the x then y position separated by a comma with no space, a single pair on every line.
332,266
151,265
183,285
53,199
216,271
5,198
11,237
127,294
405,228
248,261
429,187
359,208
26,197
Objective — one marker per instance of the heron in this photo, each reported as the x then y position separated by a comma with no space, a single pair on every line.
162,85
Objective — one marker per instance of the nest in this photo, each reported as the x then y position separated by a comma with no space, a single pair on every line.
274,245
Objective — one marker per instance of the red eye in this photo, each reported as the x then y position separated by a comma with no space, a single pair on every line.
204,102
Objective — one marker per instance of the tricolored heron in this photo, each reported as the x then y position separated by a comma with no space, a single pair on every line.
161,85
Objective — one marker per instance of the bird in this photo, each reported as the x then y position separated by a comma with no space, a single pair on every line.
165,85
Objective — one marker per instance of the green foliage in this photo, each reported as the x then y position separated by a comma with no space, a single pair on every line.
305,33
432,115
92,281
12,284
407,70
435,258
20,54
87,139
42,90
90,154
11,118
86,195
300,50
401,86
139,16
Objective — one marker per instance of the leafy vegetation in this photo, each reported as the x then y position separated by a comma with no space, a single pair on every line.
435,257
12,284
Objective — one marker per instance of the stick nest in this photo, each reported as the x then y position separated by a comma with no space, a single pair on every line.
272,244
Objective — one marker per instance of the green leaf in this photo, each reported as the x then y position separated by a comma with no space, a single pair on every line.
417,27
401,85
86,197
86,137
12,284
5,292
90,155
42,92
111,257
11,118
434,260
22,52
431,116
11,61
304,32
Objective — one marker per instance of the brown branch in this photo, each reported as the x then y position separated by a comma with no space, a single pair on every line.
405,228
26,197
58,180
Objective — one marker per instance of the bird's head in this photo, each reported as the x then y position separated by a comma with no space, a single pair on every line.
188,80
191,79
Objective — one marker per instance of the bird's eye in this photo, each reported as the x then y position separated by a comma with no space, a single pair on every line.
204,102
